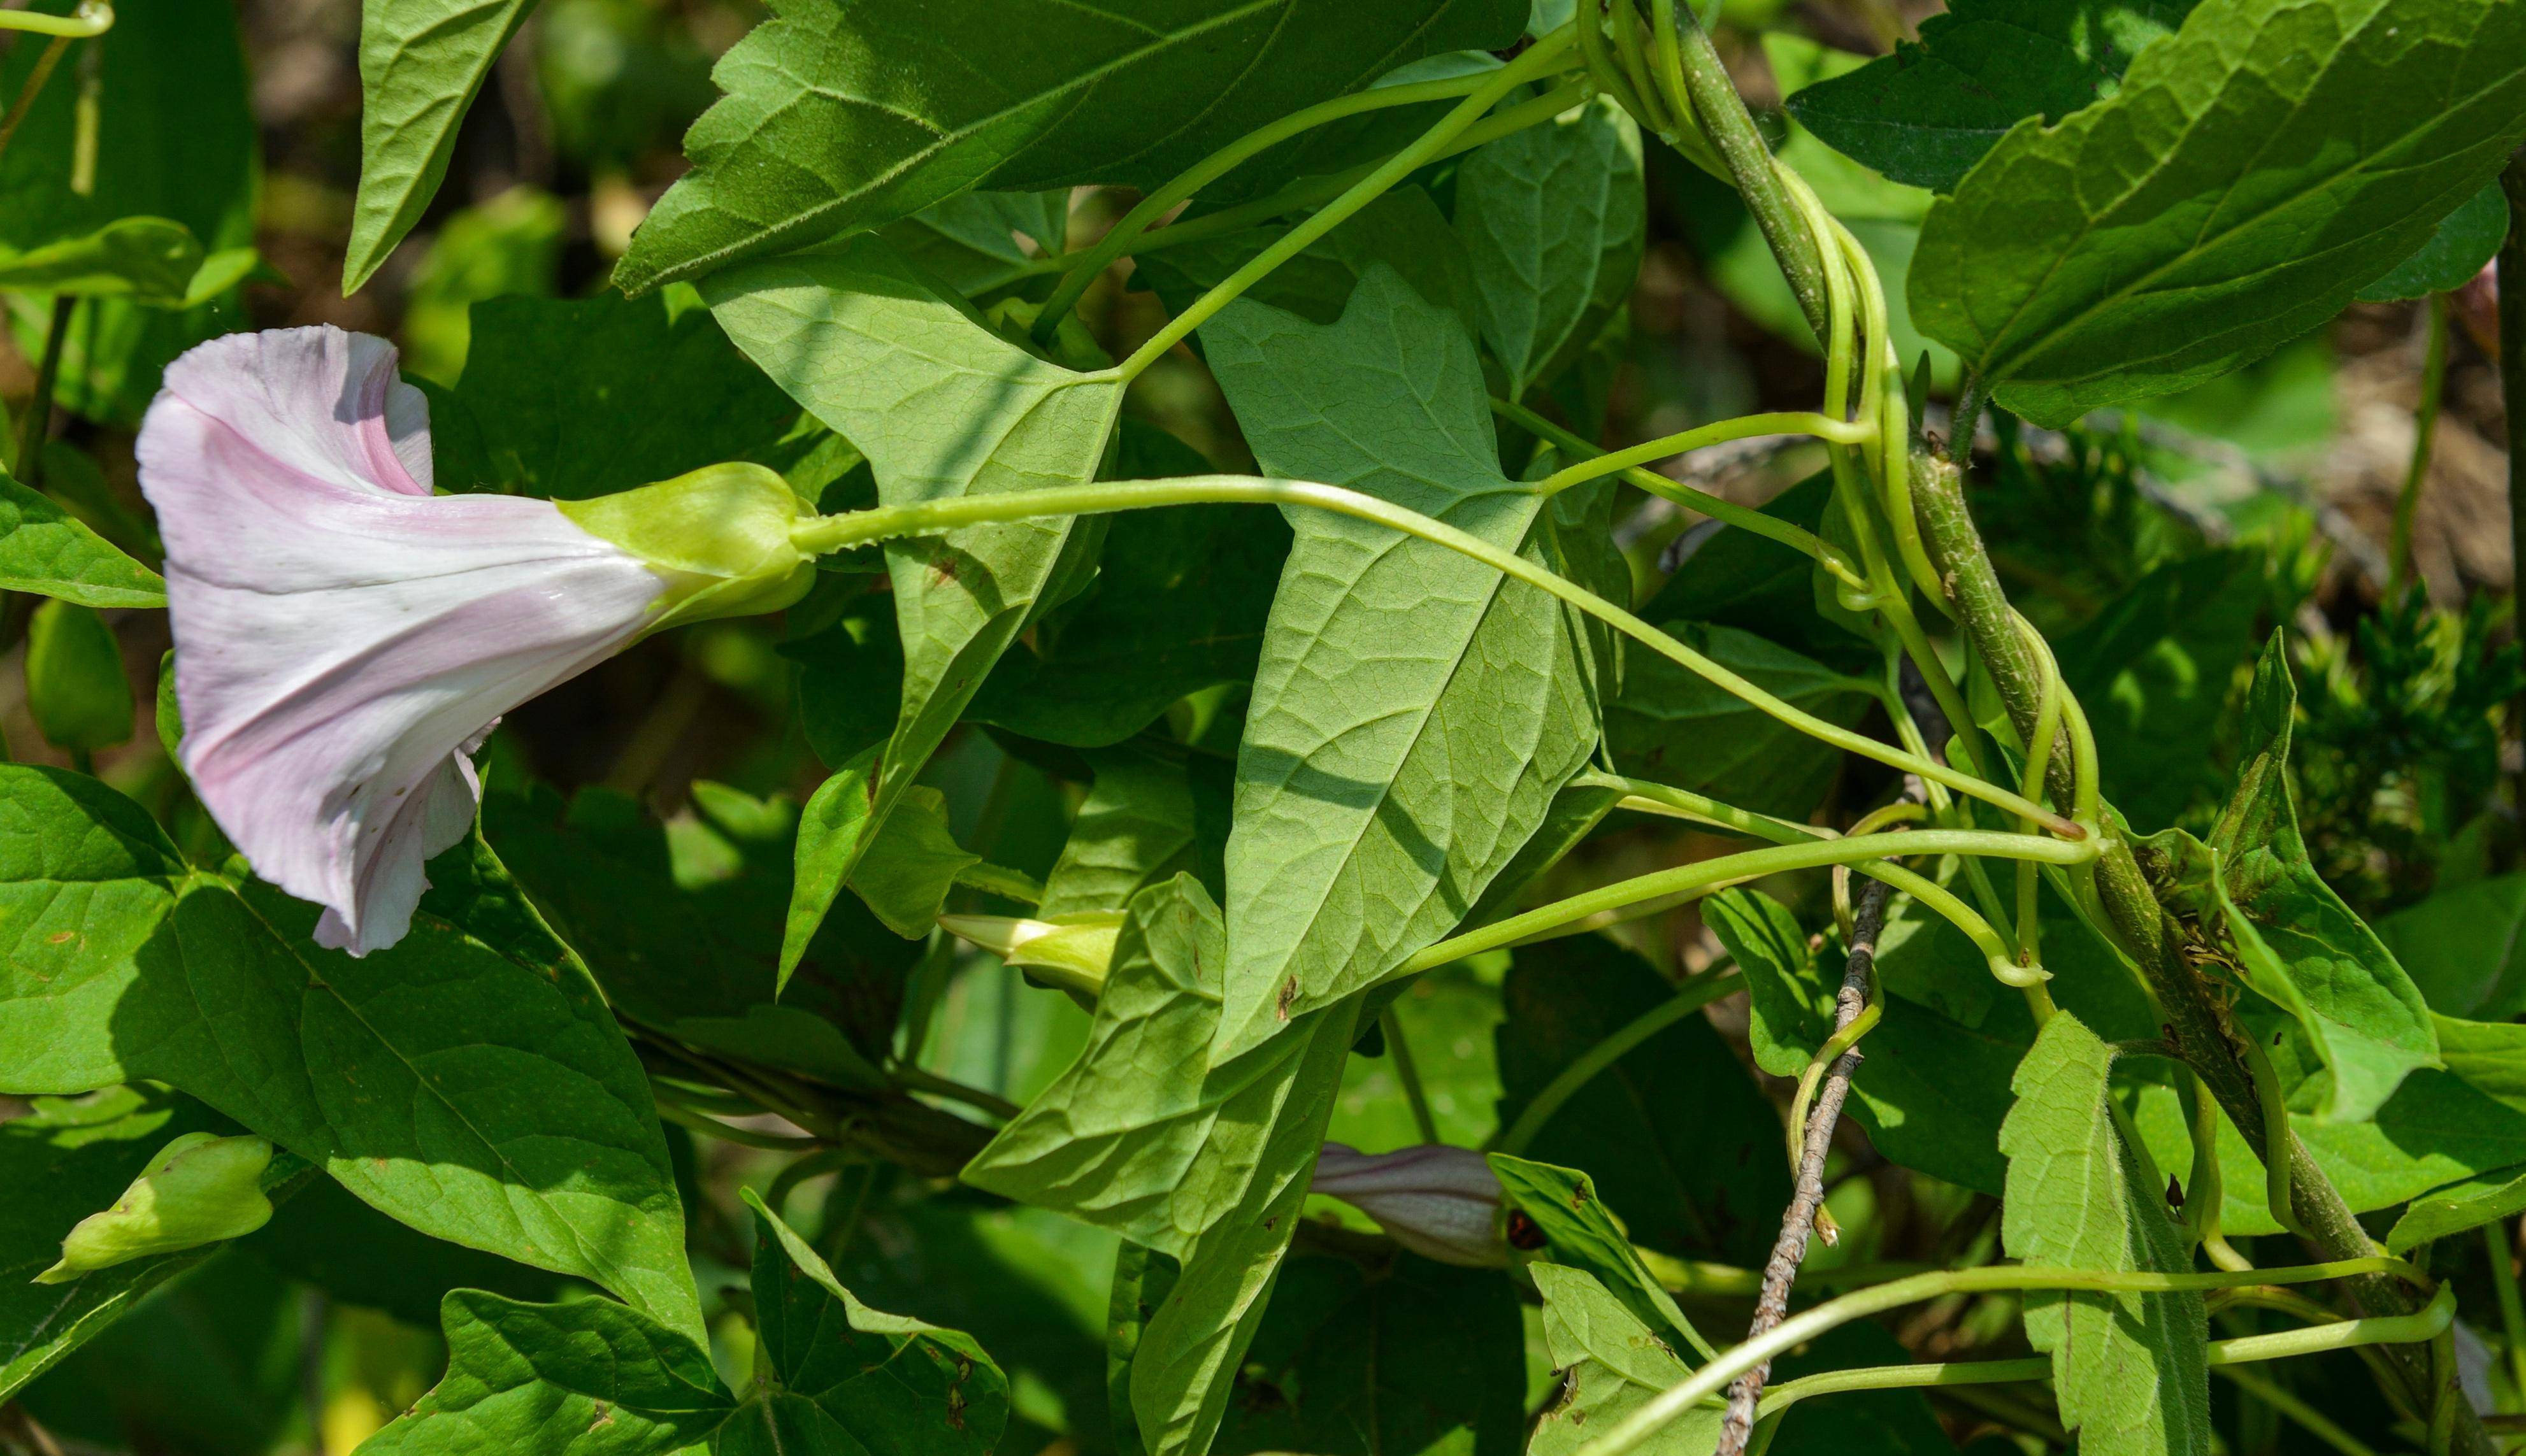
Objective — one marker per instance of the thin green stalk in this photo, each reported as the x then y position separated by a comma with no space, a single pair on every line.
2425,429
35,426
92,18
2513,1314
1646,797
1540,59
1400,1049
1085,265
1659,110
921,1080
1743,427
827,533
45,65
1718,508
1862,852
1714,1376
1566,1083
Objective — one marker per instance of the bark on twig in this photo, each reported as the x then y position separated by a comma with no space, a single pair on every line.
1797,1222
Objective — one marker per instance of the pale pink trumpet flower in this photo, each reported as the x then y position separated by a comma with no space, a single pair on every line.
345,639
1441,1202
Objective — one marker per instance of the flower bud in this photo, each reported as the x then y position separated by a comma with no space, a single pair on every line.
1441,1202
200,1188
1072,952
720,536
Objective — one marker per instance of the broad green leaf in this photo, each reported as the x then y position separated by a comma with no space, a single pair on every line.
1792,1005
839,116
2491,1198
44,550
2462,948
695,954
829,828
2461,247
1574,813
1142,822
175,138
1926,113
61,1162
76,688
420,64
1611,1365
911,862
1672,727
1580,1232
1207,1164
1674,1131
2252,174
2297,945
2153,669
896,1387
1414,713
1418,1357
589,1377
943,407
480,1093
1178,605
2131,1371
326,1237
572,398
1552,218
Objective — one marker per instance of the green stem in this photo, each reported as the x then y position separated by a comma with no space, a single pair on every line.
919,1079
1565,1083
92,18
1409,1073
2513,1314
1723,117
2425,424
1083,267
1743,427
1718,508
1715,1376
37,424
1862,852
1540,59
822,534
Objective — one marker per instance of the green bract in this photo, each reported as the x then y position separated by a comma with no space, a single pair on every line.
198,1189
720,536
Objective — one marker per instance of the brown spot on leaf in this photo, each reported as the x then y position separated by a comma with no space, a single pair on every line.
604,1418
61,937
1289,993
1525,1234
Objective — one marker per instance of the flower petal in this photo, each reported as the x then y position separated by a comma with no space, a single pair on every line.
343,638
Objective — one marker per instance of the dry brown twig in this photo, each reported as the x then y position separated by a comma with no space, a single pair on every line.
1797,1220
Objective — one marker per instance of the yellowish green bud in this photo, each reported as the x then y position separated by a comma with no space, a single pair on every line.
720,536
1070,951
200,1188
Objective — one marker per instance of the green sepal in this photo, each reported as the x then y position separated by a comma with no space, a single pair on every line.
720,536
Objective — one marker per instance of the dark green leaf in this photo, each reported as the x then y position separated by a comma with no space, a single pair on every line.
829,828
1674,1131
151,259
1552,218
1926,113
1414,713
2252,174
911,863
2463,947
1792,1003
2131,1371
359,1256
480,1093
2488,1199
587,1377
1673,726
572,398
421,64
843,117
1149,818
943,407
1417,1357
212,1362
44,550
971,241
2462,245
